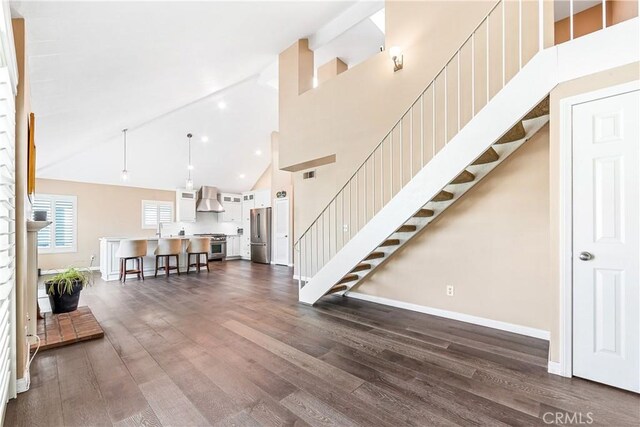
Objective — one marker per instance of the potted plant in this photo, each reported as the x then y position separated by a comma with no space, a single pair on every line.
64,289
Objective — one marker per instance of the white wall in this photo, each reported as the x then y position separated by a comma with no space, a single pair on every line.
206,222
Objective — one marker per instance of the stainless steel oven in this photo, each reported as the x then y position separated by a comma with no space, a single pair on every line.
218,247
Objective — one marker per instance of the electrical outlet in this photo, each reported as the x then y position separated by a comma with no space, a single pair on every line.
449,290
345,228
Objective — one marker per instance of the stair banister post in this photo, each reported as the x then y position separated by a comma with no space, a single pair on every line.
540,25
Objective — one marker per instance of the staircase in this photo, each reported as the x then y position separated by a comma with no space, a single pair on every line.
469,177
434,154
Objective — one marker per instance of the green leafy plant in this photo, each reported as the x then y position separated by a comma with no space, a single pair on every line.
65,281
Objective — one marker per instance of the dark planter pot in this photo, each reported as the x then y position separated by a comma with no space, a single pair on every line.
66,302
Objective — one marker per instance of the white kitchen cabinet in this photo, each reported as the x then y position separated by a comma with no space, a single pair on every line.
233,246
232,204
248,203
262,198
185,206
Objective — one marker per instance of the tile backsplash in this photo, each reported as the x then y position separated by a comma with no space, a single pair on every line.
206,222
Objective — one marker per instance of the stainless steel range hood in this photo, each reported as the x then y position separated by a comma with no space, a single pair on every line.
208,200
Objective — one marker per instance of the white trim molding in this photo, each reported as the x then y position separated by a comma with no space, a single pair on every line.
555,368
565,341
22,384
462,317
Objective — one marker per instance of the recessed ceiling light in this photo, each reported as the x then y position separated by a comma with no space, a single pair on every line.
222,105
258,152
242,176
190,167
204,139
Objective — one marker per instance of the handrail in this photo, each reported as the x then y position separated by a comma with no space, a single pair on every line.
401,117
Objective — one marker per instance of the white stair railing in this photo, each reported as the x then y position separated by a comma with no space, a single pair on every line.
510,34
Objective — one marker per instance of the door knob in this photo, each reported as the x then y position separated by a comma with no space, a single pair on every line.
585,256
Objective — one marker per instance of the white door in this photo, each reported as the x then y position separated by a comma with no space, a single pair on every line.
281,232
606,259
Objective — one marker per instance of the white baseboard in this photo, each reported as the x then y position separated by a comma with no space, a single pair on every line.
495,324
555,368
22,384
58,270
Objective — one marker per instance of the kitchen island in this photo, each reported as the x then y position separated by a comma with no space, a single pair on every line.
110,264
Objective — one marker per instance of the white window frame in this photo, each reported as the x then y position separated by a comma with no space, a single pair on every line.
74,246
158,203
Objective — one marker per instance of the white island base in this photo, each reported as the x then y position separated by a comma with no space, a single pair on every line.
110,264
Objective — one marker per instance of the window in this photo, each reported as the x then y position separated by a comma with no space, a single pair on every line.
155,212
61,234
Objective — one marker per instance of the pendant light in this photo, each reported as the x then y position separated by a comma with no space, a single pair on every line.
125,173
189,184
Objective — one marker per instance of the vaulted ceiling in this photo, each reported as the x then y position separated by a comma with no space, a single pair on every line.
160,69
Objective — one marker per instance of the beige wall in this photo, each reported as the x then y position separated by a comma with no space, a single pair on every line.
273,177
590,20
586,84
264,181
103,210
330,70
491,245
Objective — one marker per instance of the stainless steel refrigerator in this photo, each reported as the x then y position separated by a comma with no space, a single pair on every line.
261,235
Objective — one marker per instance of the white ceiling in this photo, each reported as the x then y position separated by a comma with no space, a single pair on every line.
159,69
355,45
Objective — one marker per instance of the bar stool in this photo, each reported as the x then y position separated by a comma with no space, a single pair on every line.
166,249
131,250
198,246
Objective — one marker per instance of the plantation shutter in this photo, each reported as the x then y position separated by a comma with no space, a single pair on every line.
60,235
155,212
165,212
44,235
64,224
8,82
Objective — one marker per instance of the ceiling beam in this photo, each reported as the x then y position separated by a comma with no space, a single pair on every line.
343,22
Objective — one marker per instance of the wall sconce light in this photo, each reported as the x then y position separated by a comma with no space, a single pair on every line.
396,56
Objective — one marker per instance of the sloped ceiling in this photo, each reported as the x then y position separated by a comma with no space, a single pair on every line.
160,69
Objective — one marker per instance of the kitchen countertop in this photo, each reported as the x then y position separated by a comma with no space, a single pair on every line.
153,238
148,238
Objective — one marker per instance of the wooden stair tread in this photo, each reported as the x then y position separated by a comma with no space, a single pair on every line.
348,278
516,133
464,177
390,242
361,267
407,228
443,196
374,255
424,213
337,288
539,110
488,156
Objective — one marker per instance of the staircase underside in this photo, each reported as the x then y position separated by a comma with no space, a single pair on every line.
512,116
458,187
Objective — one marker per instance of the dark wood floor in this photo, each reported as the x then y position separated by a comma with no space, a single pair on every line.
233,347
